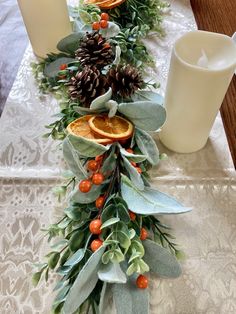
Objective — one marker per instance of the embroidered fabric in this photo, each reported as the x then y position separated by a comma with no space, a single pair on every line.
205,181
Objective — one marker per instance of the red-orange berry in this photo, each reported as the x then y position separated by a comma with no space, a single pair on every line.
143,234
142,282
104,16
100,202
133,163
103,23
129,150
139,170
96,244
96,26
63,67
99,158
85,186
132,215
106,46
95,226
93,165
98,178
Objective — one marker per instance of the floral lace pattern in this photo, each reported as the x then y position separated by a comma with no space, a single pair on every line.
205,181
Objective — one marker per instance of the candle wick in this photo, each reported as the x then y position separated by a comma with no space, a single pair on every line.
203,60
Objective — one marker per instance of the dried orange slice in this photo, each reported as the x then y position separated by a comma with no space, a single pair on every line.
116,128
110,5
80,127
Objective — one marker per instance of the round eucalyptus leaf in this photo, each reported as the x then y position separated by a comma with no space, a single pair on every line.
51,70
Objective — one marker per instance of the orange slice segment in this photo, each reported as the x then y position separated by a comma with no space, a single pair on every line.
116,128
110,5
80,127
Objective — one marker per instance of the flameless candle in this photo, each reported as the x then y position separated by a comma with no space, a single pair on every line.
202,66
46,21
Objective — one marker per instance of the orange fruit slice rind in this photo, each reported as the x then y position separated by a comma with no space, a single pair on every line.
115,128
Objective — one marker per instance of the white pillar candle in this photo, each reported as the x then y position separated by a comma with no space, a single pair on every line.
202,66
46,21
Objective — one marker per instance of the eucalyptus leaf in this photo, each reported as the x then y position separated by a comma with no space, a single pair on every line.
85,17
86,198
149,201
143,95
146,115
112,273
72,159
99,102
122,238
111,31
70,43
160,260
87,148
110,222
84,283
147,146
135,176
51,69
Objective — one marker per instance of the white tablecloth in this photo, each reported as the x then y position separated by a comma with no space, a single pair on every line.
205,181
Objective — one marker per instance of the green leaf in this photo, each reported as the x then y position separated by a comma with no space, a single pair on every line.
36,277
85,17
117,57
59,245
108,212
87,148
143,95
51,69
134,175
112,273
76,240
149,201
122,213
147,146
104,298
53,259
133,157
84,283
111,31
122,238
73,212
110,222
85,198
73,161
99,102
75,258
145,115
160,260
109,163
70,43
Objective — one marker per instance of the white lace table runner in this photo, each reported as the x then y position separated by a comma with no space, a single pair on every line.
205,181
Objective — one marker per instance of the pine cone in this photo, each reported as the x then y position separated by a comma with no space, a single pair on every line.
124,80
87,85
94,50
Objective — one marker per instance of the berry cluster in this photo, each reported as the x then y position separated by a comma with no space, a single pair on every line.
103,23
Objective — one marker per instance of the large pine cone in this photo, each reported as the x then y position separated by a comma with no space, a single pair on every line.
124,80
94,50
87,85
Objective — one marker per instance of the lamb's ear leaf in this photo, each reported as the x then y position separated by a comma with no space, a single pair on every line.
111,31
147,145
149,201
112,273
51,69
86,198
70,43
160,260
99,102
144,95
134,175
84,283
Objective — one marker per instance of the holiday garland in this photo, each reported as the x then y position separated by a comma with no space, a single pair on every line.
109,236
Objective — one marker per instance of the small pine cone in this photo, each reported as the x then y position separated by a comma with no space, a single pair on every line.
94,50
124,80
87,85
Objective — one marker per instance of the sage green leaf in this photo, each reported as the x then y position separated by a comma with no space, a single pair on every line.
85,17
72,159
85,198
76,240
70,43
110,222
122,238
135,176
143,95
112,273
111,31
160,260
145,115
109,163
104,298
133,157
149,201
36,277
51,69
130,300
53,259
108,212
75,258
84,283
147,145
99,102
59,245
122,213
87,148
73,212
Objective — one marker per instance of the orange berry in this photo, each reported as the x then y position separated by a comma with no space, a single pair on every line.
98,178
96,26
105,16
103,23
96,244
95,226
133,163
143,234
85,186
129,150
139,170
99,158
63,67
132,215
142,282
92,165
100,202
106,46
